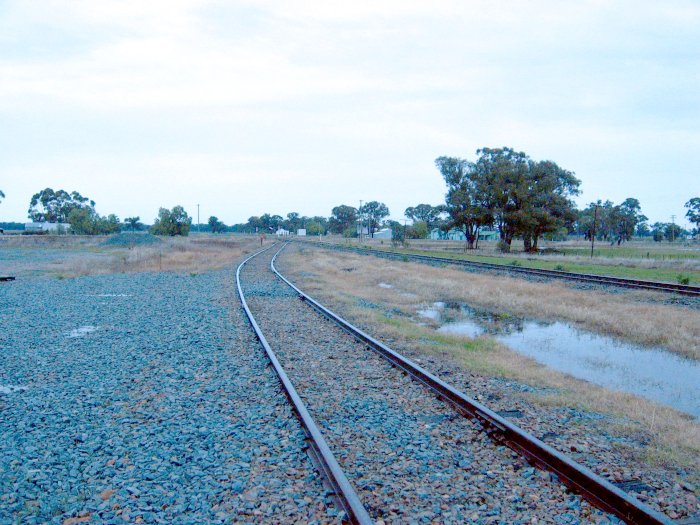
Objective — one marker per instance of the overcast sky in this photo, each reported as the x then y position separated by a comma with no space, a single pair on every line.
246,107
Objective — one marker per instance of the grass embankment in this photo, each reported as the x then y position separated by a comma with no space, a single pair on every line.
648,261
74,256
350,284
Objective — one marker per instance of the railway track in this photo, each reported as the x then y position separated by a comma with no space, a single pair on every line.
405,449
681,289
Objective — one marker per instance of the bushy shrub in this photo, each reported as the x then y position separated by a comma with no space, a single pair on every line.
503,246
86,221
172,222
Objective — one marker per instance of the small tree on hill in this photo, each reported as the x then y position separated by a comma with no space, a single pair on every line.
134,223
172,222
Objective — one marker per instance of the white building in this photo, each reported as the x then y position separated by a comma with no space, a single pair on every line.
282,233
45,227
385,233
301,232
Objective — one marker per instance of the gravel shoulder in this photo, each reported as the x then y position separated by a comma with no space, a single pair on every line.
144,398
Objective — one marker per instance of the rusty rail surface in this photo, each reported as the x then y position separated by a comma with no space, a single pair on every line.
600,492
658,286
320,452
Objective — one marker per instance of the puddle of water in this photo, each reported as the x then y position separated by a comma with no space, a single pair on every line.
385,285
653,373
434,312
81,331
8,389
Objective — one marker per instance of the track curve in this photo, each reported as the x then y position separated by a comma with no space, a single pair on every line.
320,370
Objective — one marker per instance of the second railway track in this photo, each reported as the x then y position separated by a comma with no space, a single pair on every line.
606,280
406,454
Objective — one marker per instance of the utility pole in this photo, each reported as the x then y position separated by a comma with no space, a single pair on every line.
359,219
198,230
673,227
595,218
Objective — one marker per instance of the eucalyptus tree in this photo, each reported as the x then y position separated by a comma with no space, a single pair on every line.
172,222
55,206
375,212
506,188
293,222
426,213
215,225
547,204
613,222
343,217
693,213
464,202
501,175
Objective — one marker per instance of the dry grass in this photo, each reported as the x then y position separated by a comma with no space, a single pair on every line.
174,254
67,257
342,280
675,328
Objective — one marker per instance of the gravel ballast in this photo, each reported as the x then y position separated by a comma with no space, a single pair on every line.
144,398
411,459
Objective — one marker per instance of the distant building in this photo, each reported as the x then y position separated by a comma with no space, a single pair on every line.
385,233
454,234
282,233
301,232
45,227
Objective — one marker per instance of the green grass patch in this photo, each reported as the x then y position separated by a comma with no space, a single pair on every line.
662,252
475,354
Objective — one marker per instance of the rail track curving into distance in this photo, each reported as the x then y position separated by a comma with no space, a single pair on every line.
405,450
657,286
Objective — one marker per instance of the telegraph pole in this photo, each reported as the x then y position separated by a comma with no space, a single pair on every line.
359,219
595,218
673,227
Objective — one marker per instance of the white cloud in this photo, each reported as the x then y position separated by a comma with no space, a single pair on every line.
300,93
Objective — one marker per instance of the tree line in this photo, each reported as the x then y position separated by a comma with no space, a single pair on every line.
502,189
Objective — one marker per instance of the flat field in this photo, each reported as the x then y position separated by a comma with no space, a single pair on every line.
67,256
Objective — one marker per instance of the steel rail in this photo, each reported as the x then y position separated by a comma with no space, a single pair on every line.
600,492
683,289
321,453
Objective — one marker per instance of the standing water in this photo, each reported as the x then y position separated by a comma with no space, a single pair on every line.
653,373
